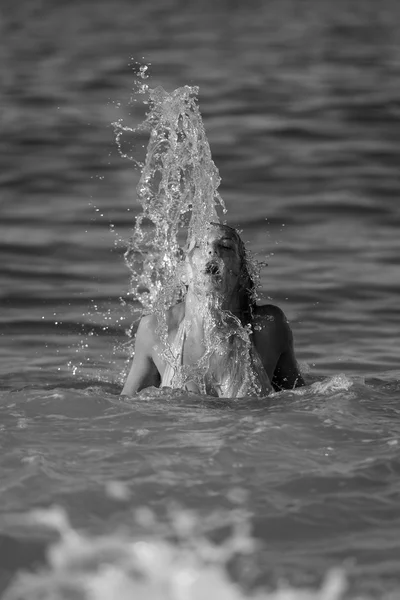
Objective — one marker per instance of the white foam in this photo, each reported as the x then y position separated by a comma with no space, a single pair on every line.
119,566
337,383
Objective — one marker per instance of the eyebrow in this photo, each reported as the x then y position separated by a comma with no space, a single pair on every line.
224,238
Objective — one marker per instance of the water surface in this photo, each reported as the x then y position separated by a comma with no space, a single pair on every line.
301,108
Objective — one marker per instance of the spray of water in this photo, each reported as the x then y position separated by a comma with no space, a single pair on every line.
178,191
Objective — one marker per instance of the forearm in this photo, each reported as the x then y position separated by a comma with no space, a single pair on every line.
143,374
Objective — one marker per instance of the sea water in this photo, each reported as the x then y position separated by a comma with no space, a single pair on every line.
171,491
173,495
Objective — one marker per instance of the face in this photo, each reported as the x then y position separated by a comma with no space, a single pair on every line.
215,263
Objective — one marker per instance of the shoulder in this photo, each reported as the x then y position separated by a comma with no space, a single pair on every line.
271,322
148,324
270,313
145,334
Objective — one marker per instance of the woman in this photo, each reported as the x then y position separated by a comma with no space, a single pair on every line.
219,342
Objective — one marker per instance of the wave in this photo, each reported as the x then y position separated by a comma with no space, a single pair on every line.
185,564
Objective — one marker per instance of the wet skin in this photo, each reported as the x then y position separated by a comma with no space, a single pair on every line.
214,269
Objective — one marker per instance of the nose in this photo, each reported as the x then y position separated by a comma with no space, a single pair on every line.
212,249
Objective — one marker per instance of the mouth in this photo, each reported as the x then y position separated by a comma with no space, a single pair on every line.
213,270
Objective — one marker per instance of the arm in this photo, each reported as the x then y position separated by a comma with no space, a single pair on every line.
287,373
143,372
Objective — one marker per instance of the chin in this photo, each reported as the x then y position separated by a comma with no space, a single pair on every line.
209,285
220,289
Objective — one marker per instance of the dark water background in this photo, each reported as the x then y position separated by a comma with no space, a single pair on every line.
301,104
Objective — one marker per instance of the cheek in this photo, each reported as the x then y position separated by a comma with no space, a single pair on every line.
235,265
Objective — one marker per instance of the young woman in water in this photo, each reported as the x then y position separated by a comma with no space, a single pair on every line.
220,341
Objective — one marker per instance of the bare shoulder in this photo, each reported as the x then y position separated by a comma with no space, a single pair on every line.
274,340
145,335
270,313
148,325
270,323
143,372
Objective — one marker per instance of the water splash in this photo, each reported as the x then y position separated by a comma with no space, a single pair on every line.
228,363
336,383
178,191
